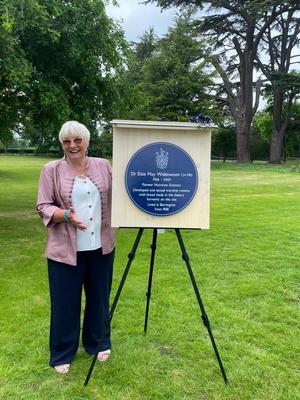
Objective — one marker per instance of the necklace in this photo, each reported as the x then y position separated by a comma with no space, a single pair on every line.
83,174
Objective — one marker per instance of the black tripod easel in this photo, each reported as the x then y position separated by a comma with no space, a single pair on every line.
185,257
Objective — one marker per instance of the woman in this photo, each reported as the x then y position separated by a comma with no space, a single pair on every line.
74,200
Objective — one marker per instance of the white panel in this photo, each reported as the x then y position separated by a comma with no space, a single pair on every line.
131,136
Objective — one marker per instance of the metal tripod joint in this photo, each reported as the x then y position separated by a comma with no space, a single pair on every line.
131,256
185,257
205,319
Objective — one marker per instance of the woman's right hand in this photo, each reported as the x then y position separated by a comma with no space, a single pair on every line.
72,217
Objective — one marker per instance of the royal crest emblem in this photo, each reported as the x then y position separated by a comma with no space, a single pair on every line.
162,159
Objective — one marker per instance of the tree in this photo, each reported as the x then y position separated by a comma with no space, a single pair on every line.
146,47
278,42
290,145
224,142
292,137
133,100
171,78
15,72
75,53
235,30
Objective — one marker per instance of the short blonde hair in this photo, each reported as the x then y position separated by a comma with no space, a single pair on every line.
72,129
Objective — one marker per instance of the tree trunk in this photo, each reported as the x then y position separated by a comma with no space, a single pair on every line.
279,128
277,139
244,107
276,147
242,141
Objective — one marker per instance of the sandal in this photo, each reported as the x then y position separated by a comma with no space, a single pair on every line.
62,369
103,355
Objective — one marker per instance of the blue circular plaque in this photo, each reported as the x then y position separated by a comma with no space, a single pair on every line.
161,179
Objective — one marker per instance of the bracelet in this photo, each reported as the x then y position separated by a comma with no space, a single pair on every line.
67,210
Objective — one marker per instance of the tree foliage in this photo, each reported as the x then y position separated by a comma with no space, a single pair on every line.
170,74
134,102
59,61
15,71
224,142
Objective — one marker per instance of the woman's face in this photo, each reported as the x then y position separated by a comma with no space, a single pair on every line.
74,147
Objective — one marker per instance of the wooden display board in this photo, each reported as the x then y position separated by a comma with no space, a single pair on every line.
133,143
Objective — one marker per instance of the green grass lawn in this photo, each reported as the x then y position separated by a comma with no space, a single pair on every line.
247,269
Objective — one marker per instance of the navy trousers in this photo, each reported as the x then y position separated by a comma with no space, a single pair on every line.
93,273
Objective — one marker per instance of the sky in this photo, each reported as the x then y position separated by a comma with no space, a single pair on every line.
136,18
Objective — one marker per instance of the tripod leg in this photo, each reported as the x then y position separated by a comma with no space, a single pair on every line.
205,319
131,256
148,293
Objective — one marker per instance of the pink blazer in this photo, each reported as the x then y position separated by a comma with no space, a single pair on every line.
55,191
